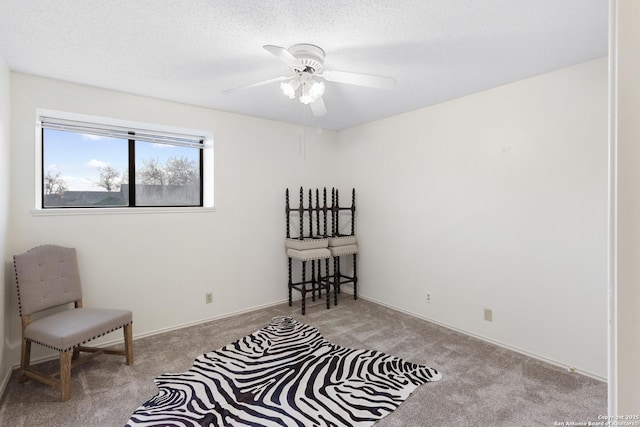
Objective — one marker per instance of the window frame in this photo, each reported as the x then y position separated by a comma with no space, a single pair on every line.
206,165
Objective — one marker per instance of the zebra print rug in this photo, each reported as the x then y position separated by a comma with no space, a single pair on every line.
285,374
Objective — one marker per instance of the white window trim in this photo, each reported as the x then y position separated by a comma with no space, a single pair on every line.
207,172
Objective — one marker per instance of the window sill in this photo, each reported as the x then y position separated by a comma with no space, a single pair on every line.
119,211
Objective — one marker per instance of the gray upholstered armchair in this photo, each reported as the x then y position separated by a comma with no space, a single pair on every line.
47,276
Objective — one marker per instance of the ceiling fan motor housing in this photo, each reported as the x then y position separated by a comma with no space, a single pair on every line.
310,55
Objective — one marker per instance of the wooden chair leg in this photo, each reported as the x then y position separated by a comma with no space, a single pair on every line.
128,343
327,281
355,277
336,279
65,374
290,284
25,358
313,280
304,288
319,278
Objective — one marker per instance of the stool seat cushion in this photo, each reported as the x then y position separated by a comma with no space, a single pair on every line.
69,328
305,244
342,241
309,254
343,250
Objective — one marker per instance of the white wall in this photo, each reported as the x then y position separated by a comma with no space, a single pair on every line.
496,200
625,387
5,362
161,265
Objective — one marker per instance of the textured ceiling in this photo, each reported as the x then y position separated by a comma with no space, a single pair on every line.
191,50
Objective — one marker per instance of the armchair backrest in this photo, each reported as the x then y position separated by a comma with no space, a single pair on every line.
47,276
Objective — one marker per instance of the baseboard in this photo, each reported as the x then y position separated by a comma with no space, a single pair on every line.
483,338
5,381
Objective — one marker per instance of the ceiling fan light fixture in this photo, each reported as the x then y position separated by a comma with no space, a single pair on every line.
317,90
289,88
311,90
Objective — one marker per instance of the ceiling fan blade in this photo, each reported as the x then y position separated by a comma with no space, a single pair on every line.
318,108
285,56
261,83
378,82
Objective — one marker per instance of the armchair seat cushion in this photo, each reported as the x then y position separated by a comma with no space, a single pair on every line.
69,328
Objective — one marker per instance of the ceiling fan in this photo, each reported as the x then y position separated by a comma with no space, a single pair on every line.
306,62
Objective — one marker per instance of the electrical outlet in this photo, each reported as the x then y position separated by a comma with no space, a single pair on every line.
488,315
428,296
208,297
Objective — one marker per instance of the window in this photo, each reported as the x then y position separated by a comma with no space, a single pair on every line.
104,163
